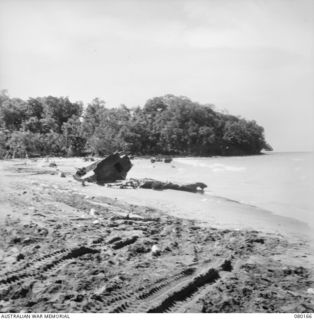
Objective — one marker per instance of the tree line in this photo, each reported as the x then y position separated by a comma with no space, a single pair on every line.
169,125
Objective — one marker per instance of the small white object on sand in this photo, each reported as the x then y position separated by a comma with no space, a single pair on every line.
155,250
95,221
92,212
310,290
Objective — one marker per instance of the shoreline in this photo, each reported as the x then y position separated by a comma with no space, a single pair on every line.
237,180
208,206
69,248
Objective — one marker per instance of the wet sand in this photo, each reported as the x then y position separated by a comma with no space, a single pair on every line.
69,248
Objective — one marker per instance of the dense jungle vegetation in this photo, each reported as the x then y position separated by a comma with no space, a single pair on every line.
169,124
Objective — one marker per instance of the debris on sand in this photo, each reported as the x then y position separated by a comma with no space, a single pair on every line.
167,160
155,159
155,251
226,266
89,159
52,165
92,212
160,159
112,168
158,185
310,290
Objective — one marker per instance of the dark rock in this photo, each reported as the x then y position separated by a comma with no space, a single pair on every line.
20,256
16,240
226,266
52,164
78,298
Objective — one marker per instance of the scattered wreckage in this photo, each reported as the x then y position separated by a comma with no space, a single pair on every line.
112,168
158,185
160,159
112,172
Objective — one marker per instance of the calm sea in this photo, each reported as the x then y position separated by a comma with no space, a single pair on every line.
282,183
278,183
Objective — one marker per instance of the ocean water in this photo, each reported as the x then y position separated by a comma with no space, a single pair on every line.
282,183
278,183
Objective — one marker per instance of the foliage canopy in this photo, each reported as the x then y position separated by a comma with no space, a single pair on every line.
165,125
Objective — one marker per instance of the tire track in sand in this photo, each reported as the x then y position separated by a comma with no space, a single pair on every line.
43,264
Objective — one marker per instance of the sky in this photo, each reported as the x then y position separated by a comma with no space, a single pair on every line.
252,58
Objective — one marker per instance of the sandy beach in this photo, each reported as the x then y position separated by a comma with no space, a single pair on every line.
70,248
